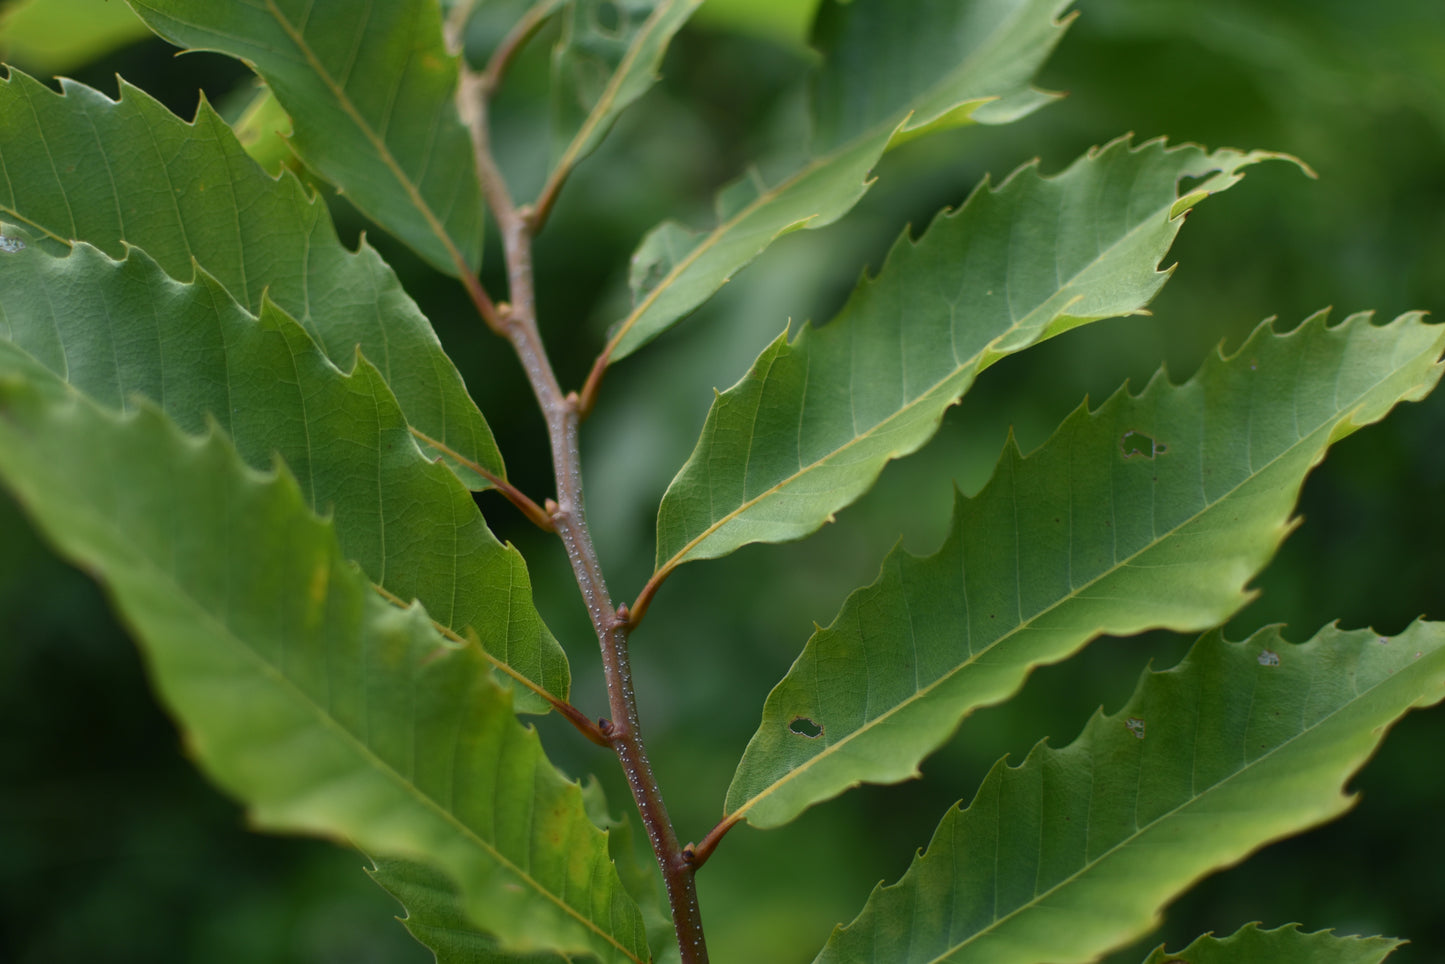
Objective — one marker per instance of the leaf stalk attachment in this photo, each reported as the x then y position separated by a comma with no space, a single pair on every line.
699,853
534,512
517,323
517,38
573,715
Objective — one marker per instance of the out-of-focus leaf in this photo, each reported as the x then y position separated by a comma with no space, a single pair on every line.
810,427
1316,57
1076,851
931,67
599,68
324,708
785,21
263,130
433,903
938,66
1153,512
118,331
1283,945
50,36
638,871
371,89
252,232
434,917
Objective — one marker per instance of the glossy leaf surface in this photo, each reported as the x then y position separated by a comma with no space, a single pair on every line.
1077,850
119,331
810,427
973,66
251,232
1152,512
324,708
370,87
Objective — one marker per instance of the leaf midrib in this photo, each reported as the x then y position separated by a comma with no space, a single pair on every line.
681,555
869,726
967,66
378,144
12,209
714,236
377,585
362,749
614,84
446,631
342,100
1249,766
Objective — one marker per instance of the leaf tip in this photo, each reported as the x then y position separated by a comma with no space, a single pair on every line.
1186,203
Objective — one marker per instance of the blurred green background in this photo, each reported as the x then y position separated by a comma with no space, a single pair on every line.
112,849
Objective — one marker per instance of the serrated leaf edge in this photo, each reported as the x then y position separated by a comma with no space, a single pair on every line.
280,475
1344,419
988,354
378,144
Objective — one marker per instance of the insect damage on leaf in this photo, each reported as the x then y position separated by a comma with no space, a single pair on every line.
803,726
253,436
1136,444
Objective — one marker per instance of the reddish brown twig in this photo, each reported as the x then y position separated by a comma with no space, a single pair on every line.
700,852
511,493
573,715
518,324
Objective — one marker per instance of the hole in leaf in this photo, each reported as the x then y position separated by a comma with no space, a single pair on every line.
803,726
1268,657
1136,444
11,245
1136,726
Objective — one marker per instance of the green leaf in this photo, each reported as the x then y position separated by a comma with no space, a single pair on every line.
299,690
781,21
810,427
600,67
638,871
264,130
435,918
1283,945
370,88
57,35
940,66
254,233
1153,512
118,331
1076,851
